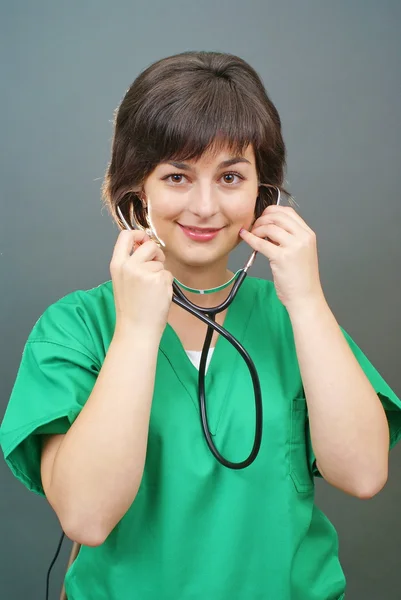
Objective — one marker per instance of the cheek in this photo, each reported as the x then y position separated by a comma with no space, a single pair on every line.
163,207
245,213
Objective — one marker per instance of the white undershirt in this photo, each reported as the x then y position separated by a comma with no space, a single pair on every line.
195,356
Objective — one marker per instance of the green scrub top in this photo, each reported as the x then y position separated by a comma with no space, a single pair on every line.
196,529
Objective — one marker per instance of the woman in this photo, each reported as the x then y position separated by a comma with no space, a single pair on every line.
103,419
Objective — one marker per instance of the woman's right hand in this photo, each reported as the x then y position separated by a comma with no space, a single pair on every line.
142,286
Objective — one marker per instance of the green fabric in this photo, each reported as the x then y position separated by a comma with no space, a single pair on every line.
195,530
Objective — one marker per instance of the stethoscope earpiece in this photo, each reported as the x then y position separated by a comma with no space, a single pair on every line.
208,315
274,187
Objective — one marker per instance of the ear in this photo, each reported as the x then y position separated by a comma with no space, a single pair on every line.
142,197
258,208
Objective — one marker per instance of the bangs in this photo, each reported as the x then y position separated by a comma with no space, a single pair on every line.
187,105
214,118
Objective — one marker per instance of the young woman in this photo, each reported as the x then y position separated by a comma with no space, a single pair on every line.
104,420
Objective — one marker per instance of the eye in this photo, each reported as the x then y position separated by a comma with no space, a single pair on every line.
229,178
231,175
175,177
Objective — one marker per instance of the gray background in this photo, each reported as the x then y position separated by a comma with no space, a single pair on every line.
333,70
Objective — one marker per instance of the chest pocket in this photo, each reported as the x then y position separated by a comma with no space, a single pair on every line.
299,464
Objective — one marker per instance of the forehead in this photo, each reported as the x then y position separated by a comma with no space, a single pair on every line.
219,154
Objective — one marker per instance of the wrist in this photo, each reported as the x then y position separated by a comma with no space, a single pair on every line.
130,332
308,307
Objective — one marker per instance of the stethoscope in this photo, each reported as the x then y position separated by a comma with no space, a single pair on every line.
207,315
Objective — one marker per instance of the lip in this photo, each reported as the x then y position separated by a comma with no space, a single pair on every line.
201,229
200,235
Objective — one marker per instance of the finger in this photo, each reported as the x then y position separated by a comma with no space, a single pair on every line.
265,247
274,233
282,220
154,266
126,242
286,211
148,251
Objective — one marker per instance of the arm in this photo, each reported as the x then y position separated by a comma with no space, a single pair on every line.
98,464
348,425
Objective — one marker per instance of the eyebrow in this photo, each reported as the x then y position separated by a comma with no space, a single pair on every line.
225,163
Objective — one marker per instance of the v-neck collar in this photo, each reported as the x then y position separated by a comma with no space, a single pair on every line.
220,373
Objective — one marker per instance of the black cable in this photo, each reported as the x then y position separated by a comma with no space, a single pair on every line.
258,404
51,566
207,315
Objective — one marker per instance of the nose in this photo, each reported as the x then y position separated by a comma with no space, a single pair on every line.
203,201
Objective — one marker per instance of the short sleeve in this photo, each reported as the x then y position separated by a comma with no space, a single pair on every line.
391,403
53,382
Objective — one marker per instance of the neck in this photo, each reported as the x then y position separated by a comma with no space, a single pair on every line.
203,278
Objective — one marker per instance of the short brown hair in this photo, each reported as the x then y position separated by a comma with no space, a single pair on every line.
181,106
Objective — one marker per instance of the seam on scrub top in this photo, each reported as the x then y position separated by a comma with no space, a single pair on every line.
237,358
195,406
21,436
45,341
394,437
34,486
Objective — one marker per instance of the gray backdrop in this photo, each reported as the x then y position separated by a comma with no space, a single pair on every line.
333,70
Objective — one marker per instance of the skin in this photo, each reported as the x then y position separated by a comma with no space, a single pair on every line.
348,425
205,195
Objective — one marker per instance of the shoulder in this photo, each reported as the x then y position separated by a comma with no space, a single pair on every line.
266,298
269,315
77,319
262,286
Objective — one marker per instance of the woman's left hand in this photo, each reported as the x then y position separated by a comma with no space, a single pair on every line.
292,251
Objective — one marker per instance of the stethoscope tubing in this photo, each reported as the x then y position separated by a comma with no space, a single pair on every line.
202,313
207,315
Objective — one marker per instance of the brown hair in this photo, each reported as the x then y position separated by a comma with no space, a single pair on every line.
178,108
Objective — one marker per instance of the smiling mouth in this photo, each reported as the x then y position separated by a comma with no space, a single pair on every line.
200,235
201,229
